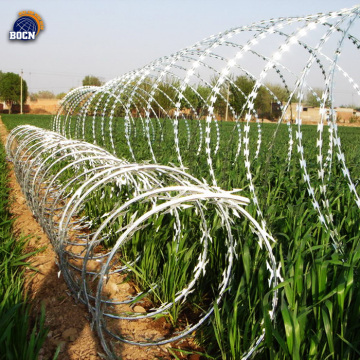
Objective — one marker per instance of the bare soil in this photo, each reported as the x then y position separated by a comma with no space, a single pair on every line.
68,321
44,106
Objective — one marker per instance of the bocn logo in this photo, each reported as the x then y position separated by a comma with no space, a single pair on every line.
27,26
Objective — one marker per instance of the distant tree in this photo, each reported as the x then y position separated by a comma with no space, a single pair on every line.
139,102
45,94
204,93
10,89
242,86
312,99
194,96
165,95
239,92
280,92
61,95
90,80
33,96
189,98
349,106
263,103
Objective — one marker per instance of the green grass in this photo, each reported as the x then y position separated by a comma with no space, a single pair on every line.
20,336
319,300
13,120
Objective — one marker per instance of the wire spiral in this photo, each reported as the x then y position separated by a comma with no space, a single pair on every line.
290,51
175,103
61,178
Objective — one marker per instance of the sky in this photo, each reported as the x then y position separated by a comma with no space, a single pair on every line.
111,37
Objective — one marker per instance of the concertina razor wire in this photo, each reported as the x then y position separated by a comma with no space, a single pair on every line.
60,177
290,51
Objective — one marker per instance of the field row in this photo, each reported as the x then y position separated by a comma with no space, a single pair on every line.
318,304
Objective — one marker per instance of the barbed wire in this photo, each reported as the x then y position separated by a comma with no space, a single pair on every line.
61,178
214,63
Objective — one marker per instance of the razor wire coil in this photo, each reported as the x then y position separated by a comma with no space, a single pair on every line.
214,62
140,105
59,177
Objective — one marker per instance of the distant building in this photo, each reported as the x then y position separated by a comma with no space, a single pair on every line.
311,115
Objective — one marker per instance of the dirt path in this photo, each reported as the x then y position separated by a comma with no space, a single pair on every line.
68,321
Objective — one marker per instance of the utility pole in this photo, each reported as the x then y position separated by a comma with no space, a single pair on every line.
21,92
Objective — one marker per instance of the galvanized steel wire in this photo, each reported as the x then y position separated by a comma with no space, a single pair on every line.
59,177
291,51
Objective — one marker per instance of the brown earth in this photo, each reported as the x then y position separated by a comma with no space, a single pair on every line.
68,321
315,122
44,106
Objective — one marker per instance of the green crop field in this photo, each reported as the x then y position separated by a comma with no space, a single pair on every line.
20,338
319,297
13,120
186,235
